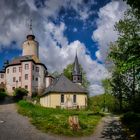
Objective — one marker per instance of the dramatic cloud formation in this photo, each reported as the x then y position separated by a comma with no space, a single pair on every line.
105,32
55,49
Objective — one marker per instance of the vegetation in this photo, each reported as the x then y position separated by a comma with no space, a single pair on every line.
132,121
2,94
56,120
19,93
103,103
68,73
124,54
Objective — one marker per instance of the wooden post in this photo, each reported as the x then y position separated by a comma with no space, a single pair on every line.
74,123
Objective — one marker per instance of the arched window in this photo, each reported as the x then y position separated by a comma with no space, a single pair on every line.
74,98
62,98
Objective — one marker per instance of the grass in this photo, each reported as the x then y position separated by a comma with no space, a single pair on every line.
55,121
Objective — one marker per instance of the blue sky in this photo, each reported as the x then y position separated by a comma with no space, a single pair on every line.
61,27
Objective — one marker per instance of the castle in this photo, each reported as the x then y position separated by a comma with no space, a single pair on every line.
28,72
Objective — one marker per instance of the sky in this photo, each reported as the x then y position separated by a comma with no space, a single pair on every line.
61,27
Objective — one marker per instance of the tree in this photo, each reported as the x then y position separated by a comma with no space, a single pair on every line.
135,4
124,53
68,73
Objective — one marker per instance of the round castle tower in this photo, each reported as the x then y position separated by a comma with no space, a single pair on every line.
30,46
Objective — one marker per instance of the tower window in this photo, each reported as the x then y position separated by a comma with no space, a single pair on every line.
74,98
26,66
26,76
14,69
62,98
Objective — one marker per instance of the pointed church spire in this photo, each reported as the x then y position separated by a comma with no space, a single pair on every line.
76,67
76,74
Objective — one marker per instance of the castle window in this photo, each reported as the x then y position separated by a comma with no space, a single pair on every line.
19,69
26,87
19,79
14,79
2,75
33,67
33,77
13,88
26,66
74,98
14,69
62,98
26,76
36,79
7,70
37,69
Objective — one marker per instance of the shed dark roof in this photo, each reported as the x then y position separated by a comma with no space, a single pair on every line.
63,85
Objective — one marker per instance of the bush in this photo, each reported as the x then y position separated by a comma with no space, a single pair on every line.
132,121
19,93
2,95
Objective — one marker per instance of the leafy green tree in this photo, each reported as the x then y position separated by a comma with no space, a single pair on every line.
124,53
68,73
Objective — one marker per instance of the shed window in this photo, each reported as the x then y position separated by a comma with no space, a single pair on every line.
62,98
74,98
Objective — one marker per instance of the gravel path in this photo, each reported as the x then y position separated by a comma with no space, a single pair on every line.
16,127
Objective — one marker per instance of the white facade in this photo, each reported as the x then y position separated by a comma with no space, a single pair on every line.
25,71
28,75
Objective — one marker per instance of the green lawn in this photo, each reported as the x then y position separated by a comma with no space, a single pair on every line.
56,120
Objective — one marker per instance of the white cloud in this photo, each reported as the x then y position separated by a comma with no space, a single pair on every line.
55,50
105,32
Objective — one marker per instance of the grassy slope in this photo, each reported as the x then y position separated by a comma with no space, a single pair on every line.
56,120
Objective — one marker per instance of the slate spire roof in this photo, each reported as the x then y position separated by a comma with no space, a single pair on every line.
76,67
63,85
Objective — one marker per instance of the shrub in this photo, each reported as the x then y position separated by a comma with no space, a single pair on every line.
132,121
19,93
2,95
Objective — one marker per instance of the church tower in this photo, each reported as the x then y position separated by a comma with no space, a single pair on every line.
30,46
76,74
